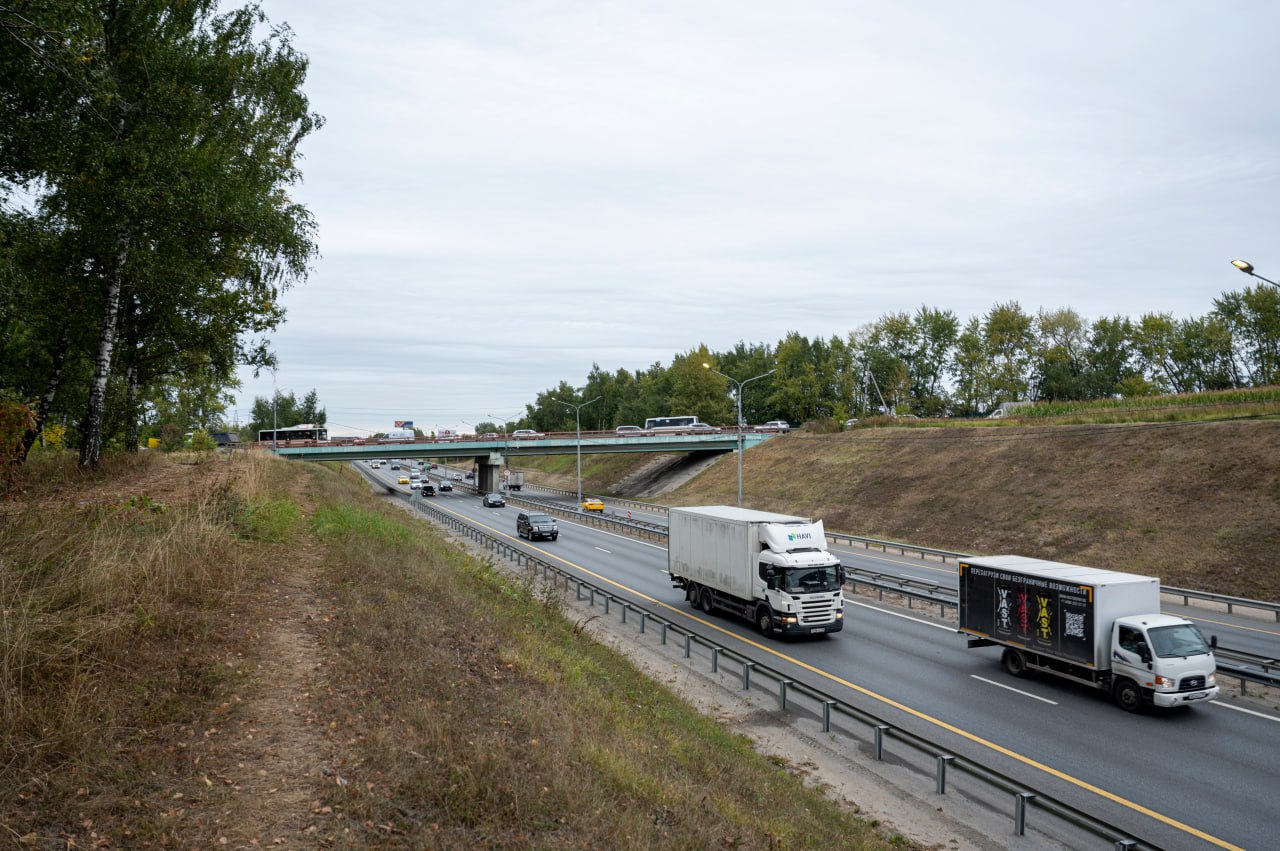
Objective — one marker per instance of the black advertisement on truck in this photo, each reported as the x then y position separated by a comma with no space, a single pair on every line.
1040,614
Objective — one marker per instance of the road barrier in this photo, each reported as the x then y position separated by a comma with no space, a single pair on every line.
835,716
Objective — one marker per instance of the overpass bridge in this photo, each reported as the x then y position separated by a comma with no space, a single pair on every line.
489,452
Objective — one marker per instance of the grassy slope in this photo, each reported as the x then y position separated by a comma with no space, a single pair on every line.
1194,502
451,705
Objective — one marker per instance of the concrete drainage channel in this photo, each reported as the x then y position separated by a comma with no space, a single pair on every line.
934,796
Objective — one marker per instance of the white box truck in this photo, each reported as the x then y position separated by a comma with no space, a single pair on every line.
515,480
1099,627
772,569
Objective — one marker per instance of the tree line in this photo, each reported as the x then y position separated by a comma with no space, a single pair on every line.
930,364
146,229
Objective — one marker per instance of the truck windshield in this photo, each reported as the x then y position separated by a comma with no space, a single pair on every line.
1181,640
811,580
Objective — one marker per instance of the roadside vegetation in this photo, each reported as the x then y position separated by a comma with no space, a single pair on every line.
154,609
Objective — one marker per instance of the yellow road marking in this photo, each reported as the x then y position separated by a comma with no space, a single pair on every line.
937,722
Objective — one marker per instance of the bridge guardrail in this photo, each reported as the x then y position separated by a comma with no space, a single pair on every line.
871,729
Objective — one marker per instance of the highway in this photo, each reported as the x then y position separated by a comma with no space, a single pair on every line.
1203,777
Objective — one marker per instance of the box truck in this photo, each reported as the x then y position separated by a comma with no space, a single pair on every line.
515,480
772,569
1099,627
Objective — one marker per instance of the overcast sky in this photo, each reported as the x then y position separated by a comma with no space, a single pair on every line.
509,192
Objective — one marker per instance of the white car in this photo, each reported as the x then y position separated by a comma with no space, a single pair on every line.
526,434
628,431
779,426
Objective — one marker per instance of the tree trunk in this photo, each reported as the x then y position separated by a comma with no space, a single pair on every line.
131,380
91,433
46,401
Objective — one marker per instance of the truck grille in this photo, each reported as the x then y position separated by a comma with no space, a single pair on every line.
817,612
1191,684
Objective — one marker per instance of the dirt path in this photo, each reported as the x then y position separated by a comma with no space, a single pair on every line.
274,752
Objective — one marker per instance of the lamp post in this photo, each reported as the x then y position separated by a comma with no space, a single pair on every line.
577,425
275,396
739,385
1247,267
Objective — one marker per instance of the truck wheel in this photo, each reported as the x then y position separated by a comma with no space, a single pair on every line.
1128,696
1014,662
707,601
764,620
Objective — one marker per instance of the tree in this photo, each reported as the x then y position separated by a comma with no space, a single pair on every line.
1009,341
698,391
160,138
1253,319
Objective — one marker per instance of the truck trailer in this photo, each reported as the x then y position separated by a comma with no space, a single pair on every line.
1099,627
772,569
515,480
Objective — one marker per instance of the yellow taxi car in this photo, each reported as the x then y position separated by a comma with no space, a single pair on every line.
592,504
404,480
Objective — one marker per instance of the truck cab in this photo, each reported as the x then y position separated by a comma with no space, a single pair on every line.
1160,660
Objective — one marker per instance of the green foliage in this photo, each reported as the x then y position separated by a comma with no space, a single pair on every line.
268,519
342,522
157,142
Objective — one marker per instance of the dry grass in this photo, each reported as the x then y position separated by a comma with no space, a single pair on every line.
1194,501
477,715
448,705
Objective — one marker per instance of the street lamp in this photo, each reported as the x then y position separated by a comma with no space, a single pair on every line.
739,385
1247,267
577,424
275,396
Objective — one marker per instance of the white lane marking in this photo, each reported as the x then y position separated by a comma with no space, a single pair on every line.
1245,711
1016,690
898,615
603,550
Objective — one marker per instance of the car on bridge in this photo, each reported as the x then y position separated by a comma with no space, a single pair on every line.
628,431
494,500
701,428
592,504
775,426
526,434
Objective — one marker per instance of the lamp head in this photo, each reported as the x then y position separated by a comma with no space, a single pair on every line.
1243,265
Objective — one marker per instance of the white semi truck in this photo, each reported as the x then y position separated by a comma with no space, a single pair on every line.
1099,627
772,569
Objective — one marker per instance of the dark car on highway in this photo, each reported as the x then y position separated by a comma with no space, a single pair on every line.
494,500
533,525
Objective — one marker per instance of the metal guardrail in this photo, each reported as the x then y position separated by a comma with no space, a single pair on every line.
884,546
857,724
1230,602
634,503
932,594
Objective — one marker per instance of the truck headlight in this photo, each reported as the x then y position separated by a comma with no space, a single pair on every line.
839,614
1212,680
1164,682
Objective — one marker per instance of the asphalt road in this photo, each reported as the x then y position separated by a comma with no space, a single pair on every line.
1205,776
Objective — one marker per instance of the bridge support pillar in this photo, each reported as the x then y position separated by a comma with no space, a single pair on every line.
489,472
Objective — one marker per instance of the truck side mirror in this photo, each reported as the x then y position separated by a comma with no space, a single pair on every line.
1144,653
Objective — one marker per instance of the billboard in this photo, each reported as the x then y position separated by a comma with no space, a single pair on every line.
404,423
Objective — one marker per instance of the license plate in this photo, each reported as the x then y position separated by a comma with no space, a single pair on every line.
1196,696
819,629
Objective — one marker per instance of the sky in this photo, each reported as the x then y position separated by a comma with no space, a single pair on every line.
510,192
